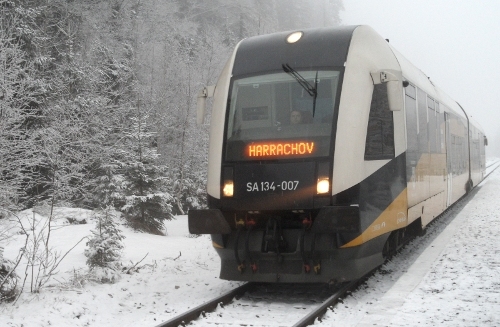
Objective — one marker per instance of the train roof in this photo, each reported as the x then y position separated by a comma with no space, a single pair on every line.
415,76
420,79
269,52
327,47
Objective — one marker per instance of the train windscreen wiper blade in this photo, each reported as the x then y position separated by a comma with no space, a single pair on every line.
302,81
312,90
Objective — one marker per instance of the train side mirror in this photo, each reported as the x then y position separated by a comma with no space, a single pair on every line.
206,92
394,81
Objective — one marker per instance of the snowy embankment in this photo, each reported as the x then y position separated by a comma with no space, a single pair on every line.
177,271
449,277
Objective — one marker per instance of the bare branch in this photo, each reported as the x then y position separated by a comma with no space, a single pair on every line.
128,271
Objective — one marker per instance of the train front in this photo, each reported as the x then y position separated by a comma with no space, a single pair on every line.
271,212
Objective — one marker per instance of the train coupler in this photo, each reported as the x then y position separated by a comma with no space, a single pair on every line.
273,237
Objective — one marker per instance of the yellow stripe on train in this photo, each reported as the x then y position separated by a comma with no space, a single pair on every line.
216,245
392,218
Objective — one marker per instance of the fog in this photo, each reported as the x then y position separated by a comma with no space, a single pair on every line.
456,43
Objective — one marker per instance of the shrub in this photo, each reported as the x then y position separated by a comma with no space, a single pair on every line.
105,248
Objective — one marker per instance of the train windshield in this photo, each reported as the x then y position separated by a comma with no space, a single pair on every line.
274,116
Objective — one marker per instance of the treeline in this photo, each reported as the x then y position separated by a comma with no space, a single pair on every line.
97,97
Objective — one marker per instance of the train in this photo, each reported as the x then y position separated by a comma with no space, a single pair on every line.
327,151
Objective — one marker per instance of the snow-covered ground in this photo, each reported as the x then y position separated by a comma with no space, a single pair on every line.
178,271
449,277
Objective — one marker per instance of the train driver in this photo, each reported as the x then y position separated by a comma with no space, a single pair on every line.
295,117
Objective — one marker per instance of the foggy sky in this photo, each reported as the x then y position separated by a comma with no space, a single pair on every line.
454,42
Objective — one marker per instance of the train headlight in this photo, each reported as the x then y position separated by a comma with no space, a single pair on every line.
228,184
323,186
228,188
294,37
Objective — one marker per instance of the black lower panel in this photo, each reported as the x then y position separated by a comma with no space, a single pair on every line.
333,264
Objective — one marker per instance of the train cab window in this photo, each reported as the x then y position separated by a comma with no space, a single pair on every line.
380,134
260,124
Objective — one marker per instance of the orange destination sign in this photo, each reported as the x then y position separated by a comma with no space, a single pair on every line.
269,149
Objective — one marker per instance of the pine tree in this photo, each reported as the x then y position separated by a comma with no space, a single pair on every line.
109,186
147,204
105,247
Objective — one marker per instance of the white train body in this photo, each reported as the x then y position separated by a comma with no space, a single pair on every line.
390,150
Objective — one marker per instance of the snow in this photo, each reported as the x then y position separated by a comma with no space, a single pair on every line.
449,277
177,272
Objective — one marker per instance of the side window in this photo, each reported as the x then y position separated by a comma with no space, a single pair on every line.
412,153
380,134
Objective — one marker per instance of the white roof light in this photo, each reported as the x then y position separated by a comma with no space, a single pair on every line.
294,37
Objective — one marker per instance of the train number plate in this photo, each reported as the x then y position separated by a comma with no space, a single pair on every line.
272,186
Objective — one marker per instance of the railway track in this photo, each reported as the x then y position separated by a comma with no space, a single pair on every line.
255,304
495,165
248,304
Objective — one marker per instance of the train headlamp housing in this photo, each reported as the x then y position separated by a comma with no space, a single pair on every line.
323,186
228,182
294,37
228,189
323,178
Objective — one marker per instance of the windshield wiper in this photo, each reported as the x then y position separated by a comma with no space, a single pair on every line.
311,90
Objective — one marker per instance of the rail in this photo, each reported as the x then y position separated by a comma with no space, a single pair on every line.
320,310
211,305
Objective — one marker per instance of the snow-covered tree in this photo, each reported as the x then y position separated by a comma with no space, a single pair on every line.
109,185
8,279
148,202
105,247
72,70
20,91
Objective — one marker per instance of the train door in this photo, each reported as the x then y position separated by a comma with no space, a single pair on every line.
449,179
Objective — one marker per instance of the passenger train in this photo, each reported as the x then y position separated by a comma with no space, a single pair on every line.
327,149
